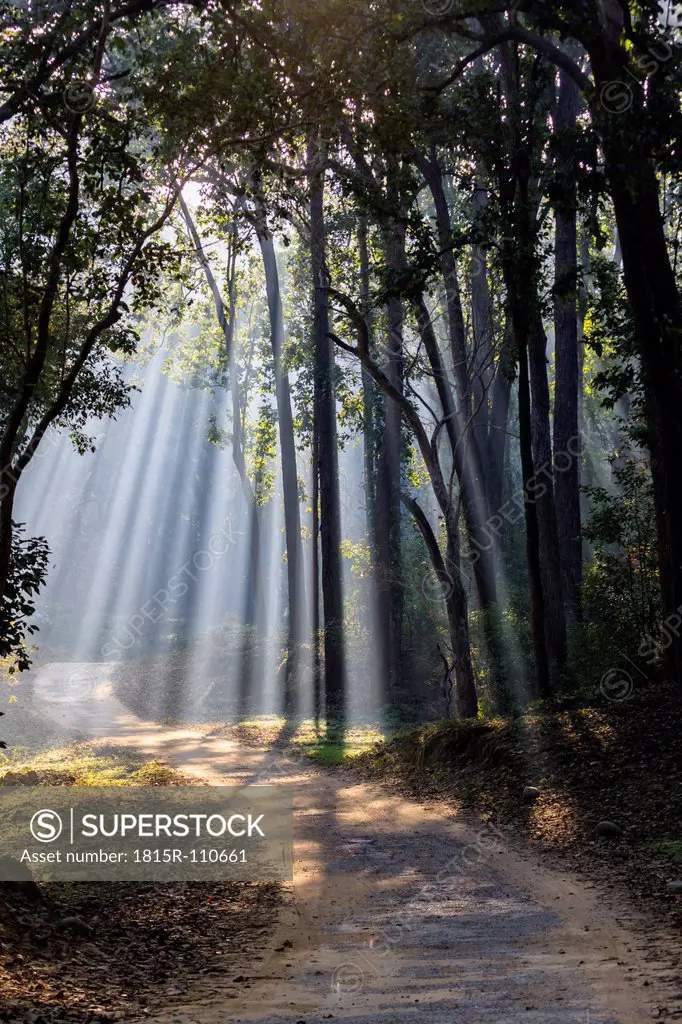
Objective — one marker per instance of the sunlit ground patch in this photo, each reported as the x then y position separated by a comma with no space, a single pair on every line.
320,742
317,740
84,765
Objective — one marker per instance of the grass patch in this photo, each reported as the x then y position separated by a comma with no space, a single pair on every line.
328,754
85,765
328,749
670,848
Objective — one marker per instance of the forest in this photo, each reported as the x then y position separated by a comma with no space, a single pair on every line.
341,388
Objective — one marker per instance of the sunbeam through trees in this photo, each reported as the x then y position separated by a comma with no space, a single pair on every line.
341,403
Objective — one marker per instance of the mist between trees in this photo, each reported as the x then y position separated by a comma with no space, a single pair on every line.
396,289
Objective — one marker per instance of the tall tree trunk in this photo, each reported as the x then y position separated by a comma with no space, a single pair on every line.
388,526
456,603
483,545
492,378
655,302
253,608
652,290
368,397
499,417
287,443
555,616
226,314
254,597
328,470
537,605
468,443
658,325
8,486
567,384
482,359
521,274
448,574
521,269
430,168
317,653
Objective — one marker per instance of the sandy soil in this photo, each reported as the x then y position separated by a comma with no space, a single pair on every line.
400,912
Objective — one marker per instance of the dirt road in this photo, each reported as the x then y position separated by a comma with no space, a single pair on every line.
403,913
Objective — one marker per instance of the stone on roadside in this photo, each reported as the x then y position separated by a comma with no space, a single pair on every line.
16,877
74,924
530,794
675,887
609,829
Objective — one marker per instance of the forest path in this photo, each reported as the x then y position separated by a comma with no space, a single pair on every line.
402,913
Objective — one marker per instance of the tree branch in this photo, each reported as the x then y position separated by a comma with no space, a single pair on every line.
408,410
429,536
208,272
111,317
516,33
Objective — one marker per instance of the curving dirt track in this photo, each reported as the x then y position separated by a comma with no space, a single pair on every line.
399,912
